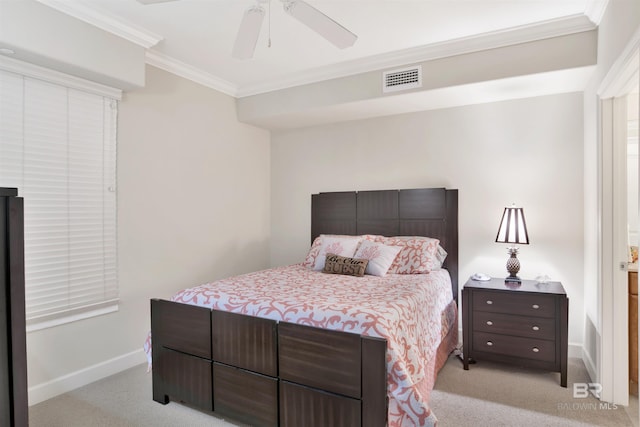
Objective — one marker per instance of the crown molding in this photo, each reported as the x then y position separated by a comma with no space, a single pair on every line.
179,68
595,10
490,40
104,20
622,76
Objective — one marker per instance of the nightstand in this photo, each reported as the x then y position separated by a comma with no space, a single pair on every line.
525,325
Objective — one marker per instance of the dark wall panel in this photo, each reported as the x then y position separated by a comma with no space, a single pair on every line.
426,203
377,204
302,406
181,327
245,341
333,213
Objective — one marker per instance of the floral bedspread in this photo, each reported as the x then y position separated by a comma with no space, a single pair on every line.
413,312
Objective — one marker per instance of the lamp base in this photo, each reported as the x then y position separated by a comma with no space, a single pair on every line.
512,280
513,266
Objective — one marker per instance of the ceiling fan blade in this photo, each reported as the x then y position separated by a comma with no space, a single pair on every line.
153,1
248,33
320,23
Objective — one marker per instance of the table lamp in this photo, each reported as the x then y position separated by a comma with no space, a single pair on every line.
513,230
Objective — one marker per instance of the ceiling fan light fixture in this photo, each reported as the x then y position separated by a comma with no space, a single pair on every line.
248,33
320,23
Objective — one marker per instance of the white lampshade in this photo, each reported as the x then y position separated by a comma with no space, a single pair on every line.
513,228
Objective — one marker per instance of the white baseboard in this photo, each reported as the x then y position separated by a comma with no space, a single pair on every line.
591,367
575,350
66,383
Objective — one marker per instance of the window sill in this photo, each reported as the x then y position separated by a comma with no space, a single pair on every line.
57,319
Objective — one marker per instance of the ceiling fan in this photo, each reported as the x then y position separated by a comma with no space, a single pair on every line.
251,24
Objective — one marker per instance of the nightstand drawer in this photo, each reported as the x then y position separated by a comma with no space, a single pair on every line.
507,345
524,304
509,324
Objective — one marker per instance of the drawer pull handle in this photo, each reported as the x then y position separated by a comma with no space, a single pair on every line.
489,322
489,343
535,349
535,306
489,302
536,328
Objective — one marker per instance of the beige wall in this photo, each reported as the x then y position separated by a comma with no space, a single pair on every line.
525,151
193,206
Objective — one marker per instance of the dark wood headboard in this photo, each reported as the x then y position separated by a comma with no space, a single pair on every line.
430,212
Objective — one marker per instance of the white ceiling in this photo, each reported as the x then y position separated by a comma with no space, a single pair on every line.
198,35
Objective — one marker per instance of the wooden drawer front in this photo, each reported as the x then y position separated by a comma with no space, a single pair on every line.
244,341
507,345
303,406
185,378
537,305
181,327
633,338
328,360
522,326
247,397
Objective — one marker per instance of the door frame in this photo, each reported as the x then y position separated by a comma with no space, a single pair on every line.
613,367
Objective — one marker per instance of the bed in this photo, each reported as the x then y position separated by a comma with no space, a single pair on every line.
292,346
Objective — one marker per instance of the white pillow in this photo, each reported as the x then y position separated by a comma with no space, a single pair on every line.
418,254
441,255
380,256
312,255
343,246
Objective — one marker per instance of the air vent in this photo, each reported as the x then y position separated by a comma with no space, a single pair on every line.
402,79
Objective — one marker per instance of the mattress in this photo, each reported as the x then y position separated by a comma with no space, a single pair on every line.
415,313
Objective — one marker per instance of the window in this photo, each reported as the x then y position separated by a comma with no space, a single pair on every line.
58,147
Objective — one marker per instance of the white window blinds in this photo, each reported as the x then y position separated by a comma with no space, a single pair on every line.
58,147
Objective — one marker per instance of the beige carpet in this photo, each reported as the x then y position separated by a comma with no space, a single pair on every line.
490,394
486,395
